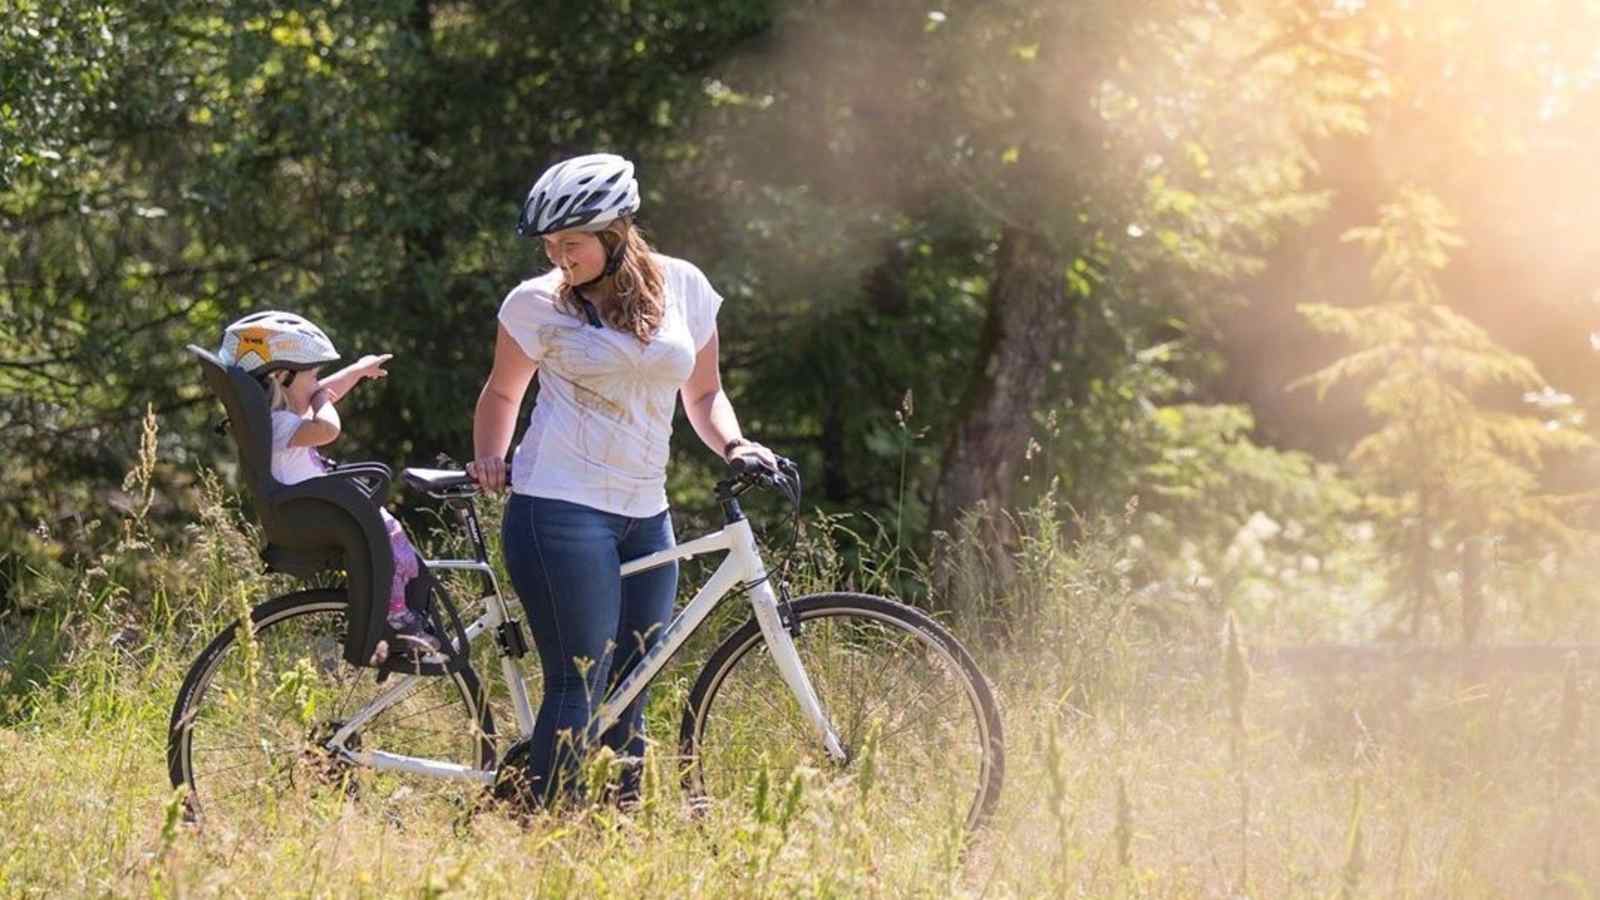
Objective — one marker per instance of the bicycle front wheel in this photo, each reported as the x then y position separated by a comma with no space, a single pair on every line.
253,718
918,720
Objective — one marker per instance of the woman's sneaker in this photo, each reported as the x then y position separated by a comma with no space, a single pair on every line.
413,632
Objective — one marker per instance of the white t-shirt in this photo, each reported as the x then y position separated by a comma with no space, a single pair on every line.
600,427
291,464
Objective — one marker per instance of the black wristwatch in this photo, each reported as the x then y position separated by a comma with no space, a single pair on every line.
727,449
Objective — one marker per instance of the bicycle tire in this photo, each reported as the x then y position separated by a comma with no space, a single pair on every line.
301,690
846,642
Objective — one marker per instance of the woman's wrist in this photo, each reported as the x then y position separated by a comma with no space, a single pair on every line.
736,443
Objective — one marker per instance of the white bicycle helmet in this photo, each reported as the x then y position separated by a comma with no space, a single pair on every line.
584,192
268,341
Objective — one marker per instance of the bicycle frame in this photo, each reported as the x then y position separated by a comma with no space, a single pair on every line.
741,566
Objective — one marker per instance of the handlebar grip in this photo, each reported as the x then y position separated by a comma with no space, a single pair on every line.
785,478
745,465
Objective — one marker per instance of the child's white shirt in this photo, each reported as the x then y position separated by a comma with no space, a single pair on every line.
291,464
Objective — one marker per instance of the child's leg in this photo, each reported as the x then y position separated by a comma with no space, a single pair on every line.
406,624
405,563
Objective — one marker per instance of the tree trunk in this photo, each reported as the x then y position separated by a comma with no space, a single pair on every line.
1472,593
1420,574
424,240
1028,327
835,480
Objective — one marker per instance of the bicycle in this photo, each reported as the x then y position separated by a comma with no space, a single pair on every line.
877,690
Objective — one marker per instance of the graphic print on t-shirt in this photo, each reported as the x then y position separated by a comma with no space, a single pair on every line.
588,365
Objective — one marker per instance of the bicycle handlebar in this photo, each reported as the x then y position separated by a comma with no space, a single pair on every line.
748,472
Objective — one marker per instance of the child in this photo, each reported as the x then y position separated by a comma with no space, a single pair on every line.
286,353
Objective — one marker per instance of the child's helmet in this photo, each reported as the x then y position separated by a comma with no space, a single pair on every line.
268,341
585,192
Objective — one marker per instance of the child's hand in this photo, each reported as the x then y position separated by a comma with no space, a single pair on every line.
341,382
371,366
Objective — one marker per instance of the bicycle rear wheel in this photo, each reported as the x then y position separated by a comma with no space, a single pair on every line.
918,719
255,712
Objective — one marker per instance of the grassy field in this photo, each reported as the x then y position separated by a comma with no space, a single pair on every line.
1129,774
1473,791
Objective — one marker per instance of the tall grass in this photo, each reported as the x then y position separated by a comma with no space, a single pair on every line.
1128,767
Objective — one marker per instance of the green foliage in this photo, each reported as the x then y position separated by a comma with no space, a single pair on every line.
1222,521
1446,463
869,184
1268,533
56,60
171,166
842,170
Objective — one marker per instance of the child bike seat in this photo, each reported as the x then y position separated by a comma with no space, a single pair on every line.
325,523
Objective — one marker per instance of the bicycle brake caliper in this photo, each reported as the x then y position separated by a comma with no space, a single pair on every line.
791,622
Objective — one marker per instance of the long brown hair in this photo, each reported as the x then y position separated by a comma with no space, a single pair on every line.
638,287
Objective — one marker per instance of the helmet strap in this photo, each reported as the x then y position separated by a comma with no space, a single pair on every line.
614,259
589,311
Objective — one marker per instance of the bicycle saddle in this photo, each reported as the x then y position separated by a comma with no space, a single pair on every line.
435,480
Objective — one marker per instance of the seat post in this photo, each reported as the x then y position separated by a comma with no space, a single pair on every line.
467,511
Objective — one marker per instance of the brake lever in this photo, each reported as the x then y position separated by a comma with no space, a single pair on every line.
785,478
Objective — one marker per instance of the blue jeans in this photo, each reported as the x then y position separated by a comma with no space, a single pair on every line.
590,625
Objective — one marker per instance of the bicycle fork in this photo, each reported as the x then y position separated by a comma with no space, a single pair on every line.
781,645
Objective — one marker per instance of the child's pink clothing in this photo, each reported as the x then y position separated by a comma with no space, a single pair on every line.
405,562
291,465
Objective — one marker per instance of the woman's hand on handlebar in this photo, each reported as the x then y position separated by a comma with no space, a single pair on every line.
490,472
753,461
748,452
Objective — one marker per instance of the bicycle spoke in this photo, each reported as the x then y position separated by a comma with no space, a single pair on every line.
231,794
226,769
887,685
225,748
396,720
249,728
345,702
886,695
856,692
436,732
922,692
907,724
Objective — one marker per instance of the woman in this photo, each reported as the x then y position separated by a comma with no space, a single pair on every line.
618,332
